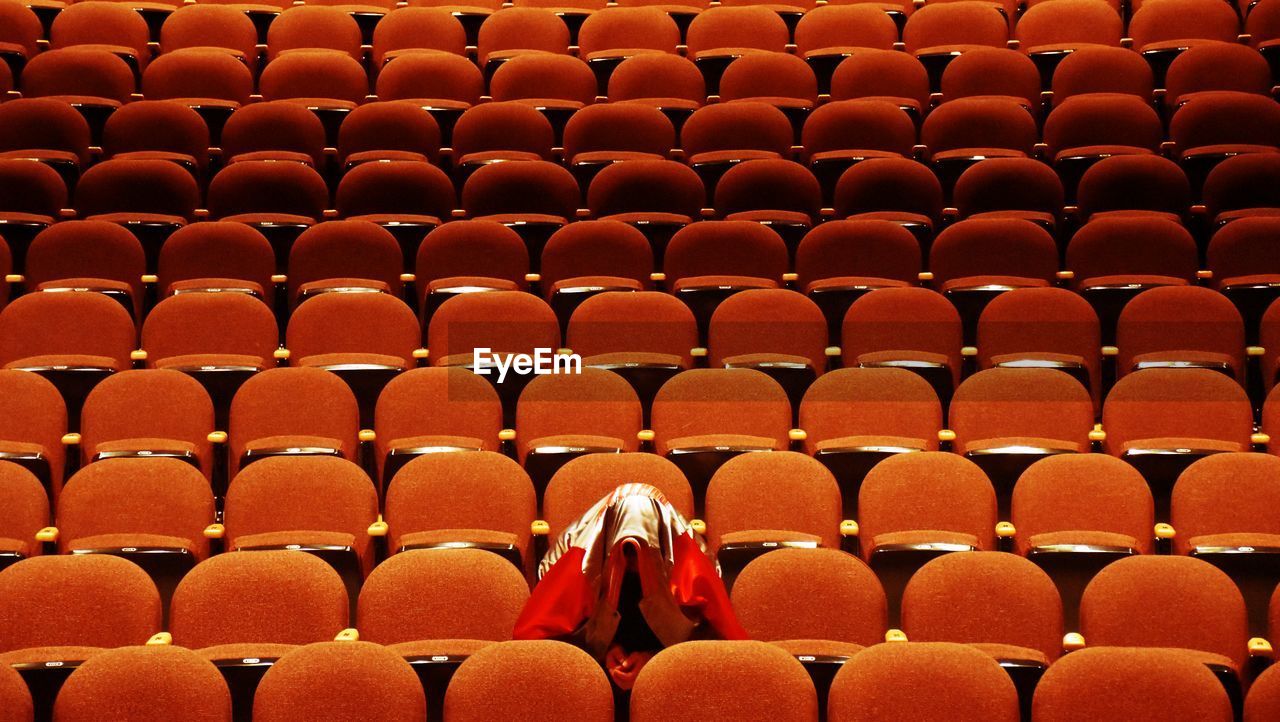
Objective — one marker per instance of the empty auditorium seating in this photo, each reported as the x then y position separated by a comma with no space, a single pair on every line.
1215,514
340,678
320,505
913,507
949,681
73,338
706,262
820,603
1010,188
26,511
365,338
292,411
1180,327
589,257
136,683
90,256
703,417
505,322
777,331
1005,419
759,502
855,285
46,130
561,416
659,197
1116,257
1129,682
211,27
1161,420
1042,328
477,500
1239,187
717,136
839,261
1075,513
429,409
853,418
724,680
535,198
102,602
529,677
646,337
975,260
825,37
280,199
1166,29
148,414
158,130
912,328
893,189
244,610
1183,606
885,75
34,195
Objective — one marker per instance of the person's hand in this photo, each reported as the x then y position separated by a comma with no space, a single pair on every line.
624,668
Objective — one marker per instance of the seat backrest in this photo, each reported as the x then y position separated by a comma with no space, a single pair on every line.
929,680
724,680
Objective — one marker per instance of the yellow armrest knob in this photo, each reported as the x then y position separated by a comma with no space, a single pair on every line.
1110,351
1065,275
657,277
698,352
408,278
1097,434
540,528
1005,530
833,351
349,634
1255,351
849,527
160,639
698,526
1205,275
215,531
70,439
507,435
47,535
925,276
1260,439
532,277
150,278
14,278
138,355
969,351
645,435
378,528
1073,641
368,435
790,277
797,435
1259,647
421,354
1165,531
895,635
279,278
281,354
217,437
946,435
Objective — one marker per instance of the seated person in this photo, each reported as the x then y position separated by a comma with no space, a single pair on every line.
629,578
